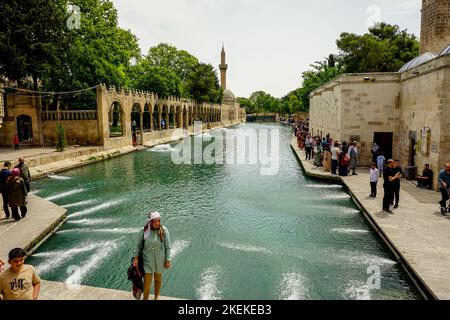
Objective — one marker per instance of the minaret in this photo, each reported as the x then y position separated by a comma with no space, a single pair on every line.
223,70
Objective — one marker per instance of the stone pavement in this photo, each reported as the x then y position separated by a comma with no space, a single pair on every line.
60,291
417,233
43,218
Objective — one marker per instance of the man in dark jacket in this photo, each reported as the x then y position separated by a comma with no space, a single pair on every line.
4,174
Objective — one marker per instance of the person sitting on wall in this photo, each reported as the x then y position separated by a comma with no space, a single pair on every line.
426,179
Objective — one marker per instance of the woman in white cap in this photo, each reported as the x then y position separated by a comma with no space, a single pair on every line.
154,240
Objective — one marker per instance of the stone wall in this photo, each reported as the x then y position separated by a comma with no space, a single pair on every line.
435,29
325,111
370,106
17,106
77,132
356,106
425,99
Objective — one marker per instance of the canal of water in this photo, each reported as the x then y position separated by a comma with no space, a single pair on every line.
236,234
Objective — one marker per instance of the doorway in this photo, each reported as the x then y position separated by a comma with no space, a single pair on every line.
24,128
384,140
412,148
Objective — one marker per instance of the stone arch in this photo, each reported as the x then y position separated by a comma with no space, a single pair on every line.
24,124
116,120
172,121
156,115
164,117
185,117
147,118
136,123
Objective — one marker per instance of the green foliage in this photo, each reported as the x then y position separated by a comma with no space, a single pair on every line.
291,103
260,102
321,73
33,38
202,84
61,142
160,80
384,49
167,56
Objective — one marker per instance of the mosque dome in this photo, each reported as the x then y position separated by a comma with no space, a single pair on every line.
427,56
446,51
228,96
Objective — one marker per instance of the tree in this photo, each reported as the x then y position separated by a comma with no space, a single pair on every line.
384,49
100,51
33,38
248,105
160,80
202,84
321,73
167,56
61,142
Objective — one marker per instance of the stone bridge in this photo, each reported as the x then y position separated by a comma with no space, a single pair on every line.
263,117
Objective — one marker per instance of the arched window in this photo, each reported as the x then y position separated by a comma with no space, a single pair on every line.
115,118
146,119
135,118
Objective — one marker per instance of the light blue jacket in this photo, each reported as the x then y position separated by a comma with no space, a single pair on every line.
155,252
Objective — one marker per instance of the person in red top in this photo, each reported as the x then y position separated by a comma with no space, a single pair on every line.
16,142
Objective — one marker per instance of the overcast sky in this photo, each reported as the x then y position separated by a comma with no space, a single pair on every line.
269,43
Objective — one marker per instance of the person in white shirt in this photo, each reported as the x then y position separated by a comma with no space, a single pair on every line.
374,174
335,152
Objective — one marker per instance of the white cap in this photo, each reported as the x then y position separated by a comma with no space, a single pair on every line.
154,215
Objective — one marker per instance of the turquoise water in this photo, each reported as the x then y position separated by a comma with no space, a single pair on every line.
235,233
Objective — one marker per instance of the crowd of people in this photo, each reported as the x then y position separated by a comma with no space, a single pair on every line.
332,156
14,187
341,158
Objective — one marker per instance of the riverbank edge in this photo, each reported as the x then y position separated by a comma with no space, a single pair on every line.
43,171
415,278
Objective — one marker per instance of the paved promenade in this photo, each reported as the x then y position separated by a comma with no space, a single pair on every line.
42,219
60,291
417,233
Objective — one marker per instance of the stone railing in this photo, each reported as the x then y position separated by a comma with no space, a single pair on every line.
69,115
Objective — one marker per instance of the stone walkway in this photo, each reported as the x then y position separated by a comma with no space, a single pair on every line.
417,233
42,219
60,291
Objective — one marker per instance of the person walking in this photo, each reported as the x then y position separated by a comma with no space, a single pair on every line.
374,174
24,173
17,194
375,151
381,160
16,142
353,153
4,174
444,187
154,241
20,281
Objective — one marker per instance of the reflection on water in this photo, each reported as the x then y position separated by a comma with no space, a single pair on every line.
235,233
